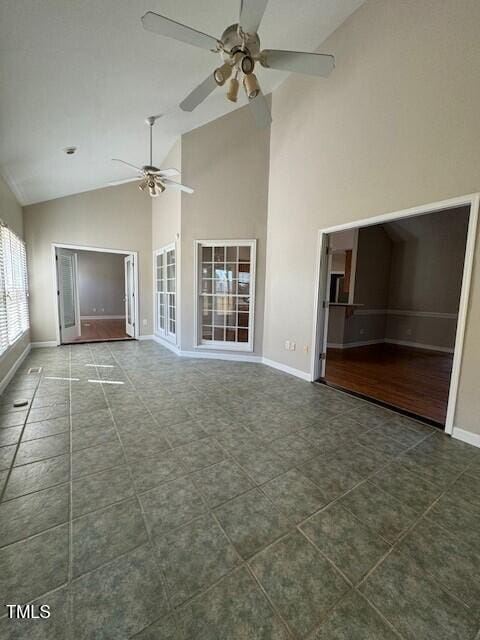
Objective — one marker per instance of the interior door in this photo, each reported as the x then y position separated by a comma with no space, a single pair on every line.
129,297
68,300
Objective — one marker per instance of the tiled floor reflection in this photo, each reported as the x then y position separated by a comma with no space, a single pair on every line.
149,496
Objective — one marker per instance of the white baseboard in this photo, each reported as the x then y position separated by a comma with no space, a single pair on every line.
233,356
419,345
466,436
13,369
146,337
401,343
49,343
102,317
286,369
167,344
352,345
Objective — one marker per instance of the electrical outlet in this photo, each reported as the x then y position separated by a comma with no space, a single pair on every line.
305,348
362,331
94,309
287,345
409,332
145,322
102,310
292,346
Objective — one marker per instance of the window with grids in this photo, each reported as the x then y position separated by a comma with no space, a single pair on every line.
14,320
225,300
166,285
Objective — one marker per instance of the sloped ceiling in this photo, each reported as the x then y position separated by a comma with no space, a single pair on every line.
85,73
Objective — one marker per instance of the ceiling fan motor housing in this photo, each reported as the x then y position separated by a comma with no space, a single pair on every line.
234,43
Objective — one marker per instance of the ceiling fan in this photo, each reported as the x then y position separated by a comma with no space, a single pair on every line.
152,178
239,48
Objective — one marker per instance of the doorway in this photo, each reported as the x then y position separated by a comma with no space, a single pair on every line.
95,294
390,327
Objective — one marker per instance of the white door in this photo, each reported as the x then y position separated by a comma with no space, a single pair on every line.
129,297
68,301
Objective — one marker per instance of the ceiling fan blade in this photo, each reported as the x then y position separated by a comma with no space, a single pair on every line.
199,94
129,164
251,14
176,185
166,173
165,27
313,64
261,111
116,182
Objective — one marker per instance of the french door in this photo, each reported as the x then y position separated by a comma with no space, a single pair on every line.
69,305
165,265
129,296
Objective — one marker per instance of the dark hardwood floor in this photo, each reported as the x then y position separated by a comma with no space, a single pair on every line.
414,380
99,330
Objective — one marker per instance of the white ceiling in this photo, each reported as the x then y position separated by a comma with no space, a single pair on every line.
85,73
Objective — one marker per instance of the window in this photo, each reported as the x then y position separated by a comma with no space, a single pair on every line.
14,319
225,294
166,295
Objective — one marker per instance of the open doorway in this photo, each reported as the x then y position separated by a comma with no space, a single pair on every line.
95,291
391,314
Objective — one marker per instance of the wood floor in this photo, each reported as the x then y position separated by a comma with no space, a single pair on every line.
415,380
98,330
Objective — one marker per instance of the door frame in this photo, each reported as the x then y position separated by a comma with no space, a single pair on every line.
77,247
319,338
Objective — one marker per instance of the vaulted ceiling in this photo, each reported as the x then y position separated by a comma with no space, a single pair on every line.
85,73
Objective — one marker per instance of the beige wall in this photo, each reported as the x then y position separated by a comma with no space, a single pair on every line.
372,277
424,275
112,218
11,214
101,283
166,209
166,220
396,125
226,162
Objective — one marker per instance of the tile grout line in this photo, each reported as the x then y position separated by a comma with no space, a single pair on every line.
243,562
139,502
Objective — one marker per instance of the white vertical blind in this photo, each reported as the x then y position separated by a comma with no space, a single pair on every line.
14,320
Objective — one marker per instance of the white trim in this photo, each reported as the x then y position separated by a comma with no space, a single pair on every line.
405,312
402,343
422,314
370,312
351,345
76,247
224,346
419,345
102,317
165,343
13,369
286,369
321,274
41,345
173,339
240,357
466,436
146,337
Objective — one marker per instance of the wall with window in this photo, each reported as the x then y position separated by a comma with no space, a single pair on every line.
11,214
227,163
112,218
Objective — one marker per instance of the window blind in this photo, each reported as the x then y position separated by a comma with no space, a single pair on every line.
14,320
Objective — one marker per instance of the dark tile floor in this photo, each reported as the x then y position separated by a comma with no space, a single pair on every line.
207,500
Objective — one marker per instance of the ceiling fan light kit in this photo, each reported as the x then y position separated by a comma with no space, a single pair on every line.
152,178
239,48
